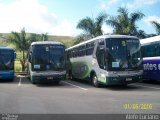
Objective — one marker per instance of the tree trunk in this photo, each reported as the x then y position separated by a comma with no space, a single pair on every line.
23,62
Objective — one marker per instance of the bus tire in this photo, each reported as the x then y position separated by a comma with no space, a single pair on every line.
94,80
33,82
11,80
56,82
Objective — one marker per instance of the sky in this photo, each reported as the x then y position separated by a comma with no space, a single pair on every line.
60,17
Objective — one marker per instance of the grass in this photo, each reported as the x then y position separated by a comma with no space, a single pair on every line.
17,66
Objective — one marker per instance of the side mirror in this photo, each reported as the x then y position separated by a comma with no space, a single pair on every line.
29,58
15,55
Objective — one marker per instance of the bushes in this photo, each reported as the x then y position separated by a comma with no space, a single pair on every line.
17,66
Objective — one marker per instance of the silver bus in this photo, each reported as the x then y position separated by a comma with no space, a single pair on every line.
46,62
107,59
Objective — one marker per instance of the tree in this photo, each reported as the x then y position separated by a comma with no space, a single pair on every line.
21,42
44,36
92,27
81,38
34,37
125,23
141,34
157,26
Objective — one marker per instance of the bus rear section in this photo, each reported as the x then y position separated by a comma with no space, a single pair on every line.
7,57
46,62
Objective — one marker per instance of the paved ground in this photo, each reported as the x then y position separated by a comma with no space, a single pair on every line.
74,97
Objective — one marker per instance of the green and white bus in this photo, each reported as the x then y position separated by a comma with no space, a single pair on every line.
46,62
107,59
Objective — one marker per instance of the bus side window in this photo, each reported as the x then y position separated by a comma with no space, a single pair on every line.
158,50
101,57
143,51
149,51
89,48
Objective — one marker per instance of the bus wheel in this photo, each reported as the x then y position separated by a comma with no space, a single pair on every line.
56,82
95,81
33,82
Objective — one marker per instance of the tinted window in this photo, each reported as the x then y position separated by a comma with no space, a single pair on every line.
48,57
89,48
158,50
6,60
124,53
149,50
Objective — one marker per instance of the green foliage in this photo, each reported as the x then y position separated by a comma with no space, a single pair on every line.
17,66
19,40
44,37
92,27
22,42
3,43
125,23
157,26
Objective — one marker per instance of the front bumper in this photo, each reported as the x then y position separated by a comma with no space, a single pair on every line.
7,75
123,80
44,77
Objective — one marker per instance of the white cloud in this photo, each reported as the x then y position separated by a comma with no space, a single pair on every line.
148,19
64,28
36,18
140,3
106,29
106,5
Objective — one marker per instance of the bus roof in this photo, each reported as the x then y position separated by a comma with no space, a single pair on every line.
5,48
103,36
150,40
46,42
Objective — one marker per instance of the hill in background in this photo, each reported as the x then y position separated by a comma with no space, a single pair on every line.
67,40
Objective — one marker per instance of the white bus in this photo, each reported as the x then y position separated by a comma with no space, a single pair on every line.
46,62
151,57
107,59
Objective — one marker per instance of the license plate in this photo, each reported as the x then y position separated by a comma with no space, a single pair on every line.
49,78
128,79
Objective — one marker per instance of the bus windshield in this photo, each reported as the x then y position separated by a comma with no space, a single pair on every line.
124,53
48,57
6,60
